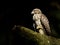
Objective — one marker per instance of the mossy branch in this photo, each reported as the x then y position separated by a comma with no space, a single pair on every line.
36,37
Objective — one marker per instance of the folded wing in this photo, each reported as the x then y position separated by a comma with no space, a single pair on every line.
45,22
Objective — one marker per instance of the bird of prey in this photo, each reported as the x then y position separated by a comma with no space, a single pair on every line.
40,21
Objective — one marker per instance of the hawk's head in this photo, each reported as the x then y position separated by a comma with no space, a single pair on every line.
36,11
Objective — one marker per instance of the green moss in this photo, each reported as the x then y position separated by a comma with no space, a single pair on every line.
37,38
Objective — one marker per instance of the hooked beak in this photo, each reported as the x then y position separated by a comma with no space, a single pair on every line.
32,12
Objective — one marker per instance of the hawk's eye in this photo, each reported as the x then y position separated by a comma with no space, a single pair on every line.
35,13
38,12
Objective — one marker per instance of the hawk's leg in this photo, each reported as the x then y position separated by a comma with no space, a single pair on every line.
40,29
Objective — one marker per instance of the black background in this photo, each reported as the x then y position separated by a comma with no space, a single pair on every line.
22,16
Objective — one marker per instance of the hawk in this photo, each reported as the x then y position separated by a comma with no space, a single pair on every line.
40,21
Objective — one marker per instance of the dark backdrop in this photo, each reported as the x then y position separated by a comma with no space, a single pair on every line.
22,16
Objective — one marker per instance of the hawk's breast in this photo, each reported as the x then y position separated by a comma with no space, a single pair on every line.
36,17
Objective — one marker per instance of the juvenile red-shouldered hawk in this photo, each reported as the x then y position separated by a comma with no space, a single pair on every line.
40,20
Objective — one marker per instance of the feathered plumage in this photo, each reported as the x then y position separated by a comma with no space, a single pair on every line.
40,19
45,22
